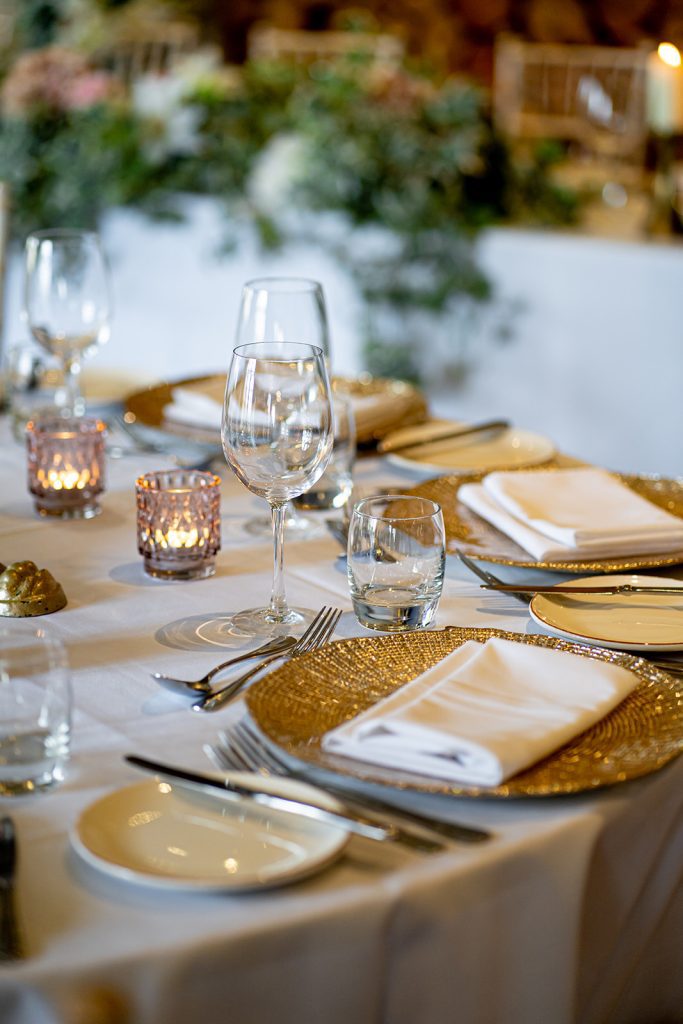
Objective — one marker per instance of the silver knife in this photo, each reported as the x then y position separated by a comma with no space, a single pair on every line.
306,808
388,446
561,588
11,946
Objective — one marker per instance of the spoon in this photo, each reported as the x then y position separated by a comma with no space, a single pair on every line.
190,687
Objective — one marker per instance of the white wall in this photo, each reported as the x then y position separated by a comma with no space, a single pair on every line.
596,361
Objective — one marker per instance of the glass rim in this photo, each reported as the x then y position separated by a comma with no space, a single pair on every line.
283,284
67,234
357,510
79,426
312,351
151,481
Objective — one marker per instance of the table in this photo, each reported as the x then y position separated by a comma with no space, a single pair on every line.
573,913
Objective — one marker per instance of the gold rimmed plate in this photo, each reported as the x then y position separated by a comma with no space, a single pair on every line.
380,404
297,704
480,540
631,622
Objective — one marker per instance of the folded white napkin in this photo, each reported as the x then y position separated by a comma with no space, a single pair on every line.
191,407
572,513
484,713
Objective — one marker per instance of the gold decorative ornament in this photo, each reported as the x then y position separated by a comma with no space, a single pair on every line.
26,590
301,701
479,539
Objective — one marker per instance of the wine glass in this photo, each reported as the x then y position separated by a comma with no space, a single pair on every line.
277,438
67,301
283,309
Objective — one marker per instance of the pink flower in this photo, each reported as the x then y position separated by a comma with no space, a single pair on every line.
55,79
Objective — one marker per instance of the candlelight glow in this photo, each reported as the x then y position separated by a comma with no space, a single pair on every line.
67,479
670,54
177,538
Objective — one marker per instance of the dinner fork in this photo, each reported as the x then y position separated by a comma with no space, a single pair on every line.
277,645
320,630
241,748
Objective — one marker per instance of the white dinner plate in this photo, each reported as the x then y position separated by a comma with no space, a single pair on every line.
508,449
172,836
625,622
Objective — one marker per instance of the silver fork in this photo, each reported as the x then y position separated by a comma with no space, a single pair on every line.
240,748
488,577
320,630
277,645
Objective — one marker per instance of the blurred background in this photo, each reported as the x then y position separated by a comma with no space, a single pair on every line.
489,190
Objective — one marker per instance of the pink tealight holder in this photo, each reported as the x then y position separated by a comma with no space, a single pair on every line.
66,466
178,523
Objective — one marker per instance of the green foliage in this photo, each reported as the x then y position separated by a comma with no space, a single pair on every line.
416,161
64,170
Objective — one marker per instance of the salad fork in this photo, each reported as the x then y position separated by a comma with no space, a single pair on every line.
320,630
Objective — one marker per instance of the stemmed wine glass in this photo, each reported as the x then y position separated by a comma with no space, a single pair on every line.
283,309
277,437
67,301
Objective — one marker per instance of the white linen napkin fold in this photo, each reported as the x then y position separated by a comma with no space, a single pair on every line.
484,713
572,513
190,407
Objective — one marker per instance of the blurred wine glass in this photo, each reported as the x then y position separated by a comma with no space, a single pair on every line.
279,310
610,139
67,302
277,438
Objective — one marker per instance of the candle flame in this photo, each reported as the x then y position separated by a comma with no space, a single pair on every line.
670,54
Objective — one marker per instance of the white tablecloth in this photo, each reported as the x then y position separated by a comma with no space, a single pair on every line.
573,913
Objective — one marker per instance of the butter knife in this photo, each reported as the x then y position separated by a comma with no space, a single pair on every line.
386,446
11,946
341,818
561,588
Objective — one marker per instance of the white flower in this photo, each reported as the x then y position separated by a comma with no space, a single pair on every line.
280,165
160,99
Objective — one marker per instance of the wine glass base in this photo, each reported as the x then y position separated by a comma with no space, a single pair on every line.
255,622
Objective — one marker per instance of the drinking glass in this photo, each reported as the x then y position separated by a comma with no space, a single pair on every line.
333,489
35,710
277,438
396,560
66,301
283,309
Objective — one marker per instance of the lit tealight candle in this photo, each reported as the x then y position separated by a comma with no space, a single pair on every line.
665,90
66,466
178,523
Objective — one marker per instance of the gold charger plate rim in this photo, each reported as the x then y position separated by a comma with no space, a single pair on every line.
481,540
295,705
147,405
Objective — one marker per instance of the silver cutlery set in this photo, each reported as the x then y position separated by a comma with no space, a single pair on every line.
241,747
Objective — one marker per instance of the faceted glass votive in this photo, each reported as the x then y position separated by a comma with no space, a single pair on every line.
66,465
178,523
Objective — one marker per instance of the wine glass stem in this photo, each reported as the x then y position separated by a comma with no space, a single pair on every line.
72,385
278,599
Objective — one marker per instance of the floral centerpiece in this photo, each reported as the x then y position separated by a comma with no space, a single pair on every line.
407,170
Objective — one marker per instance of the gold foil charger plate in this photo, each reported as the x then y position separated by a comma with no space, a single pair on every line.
380,405
479,539
298,703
